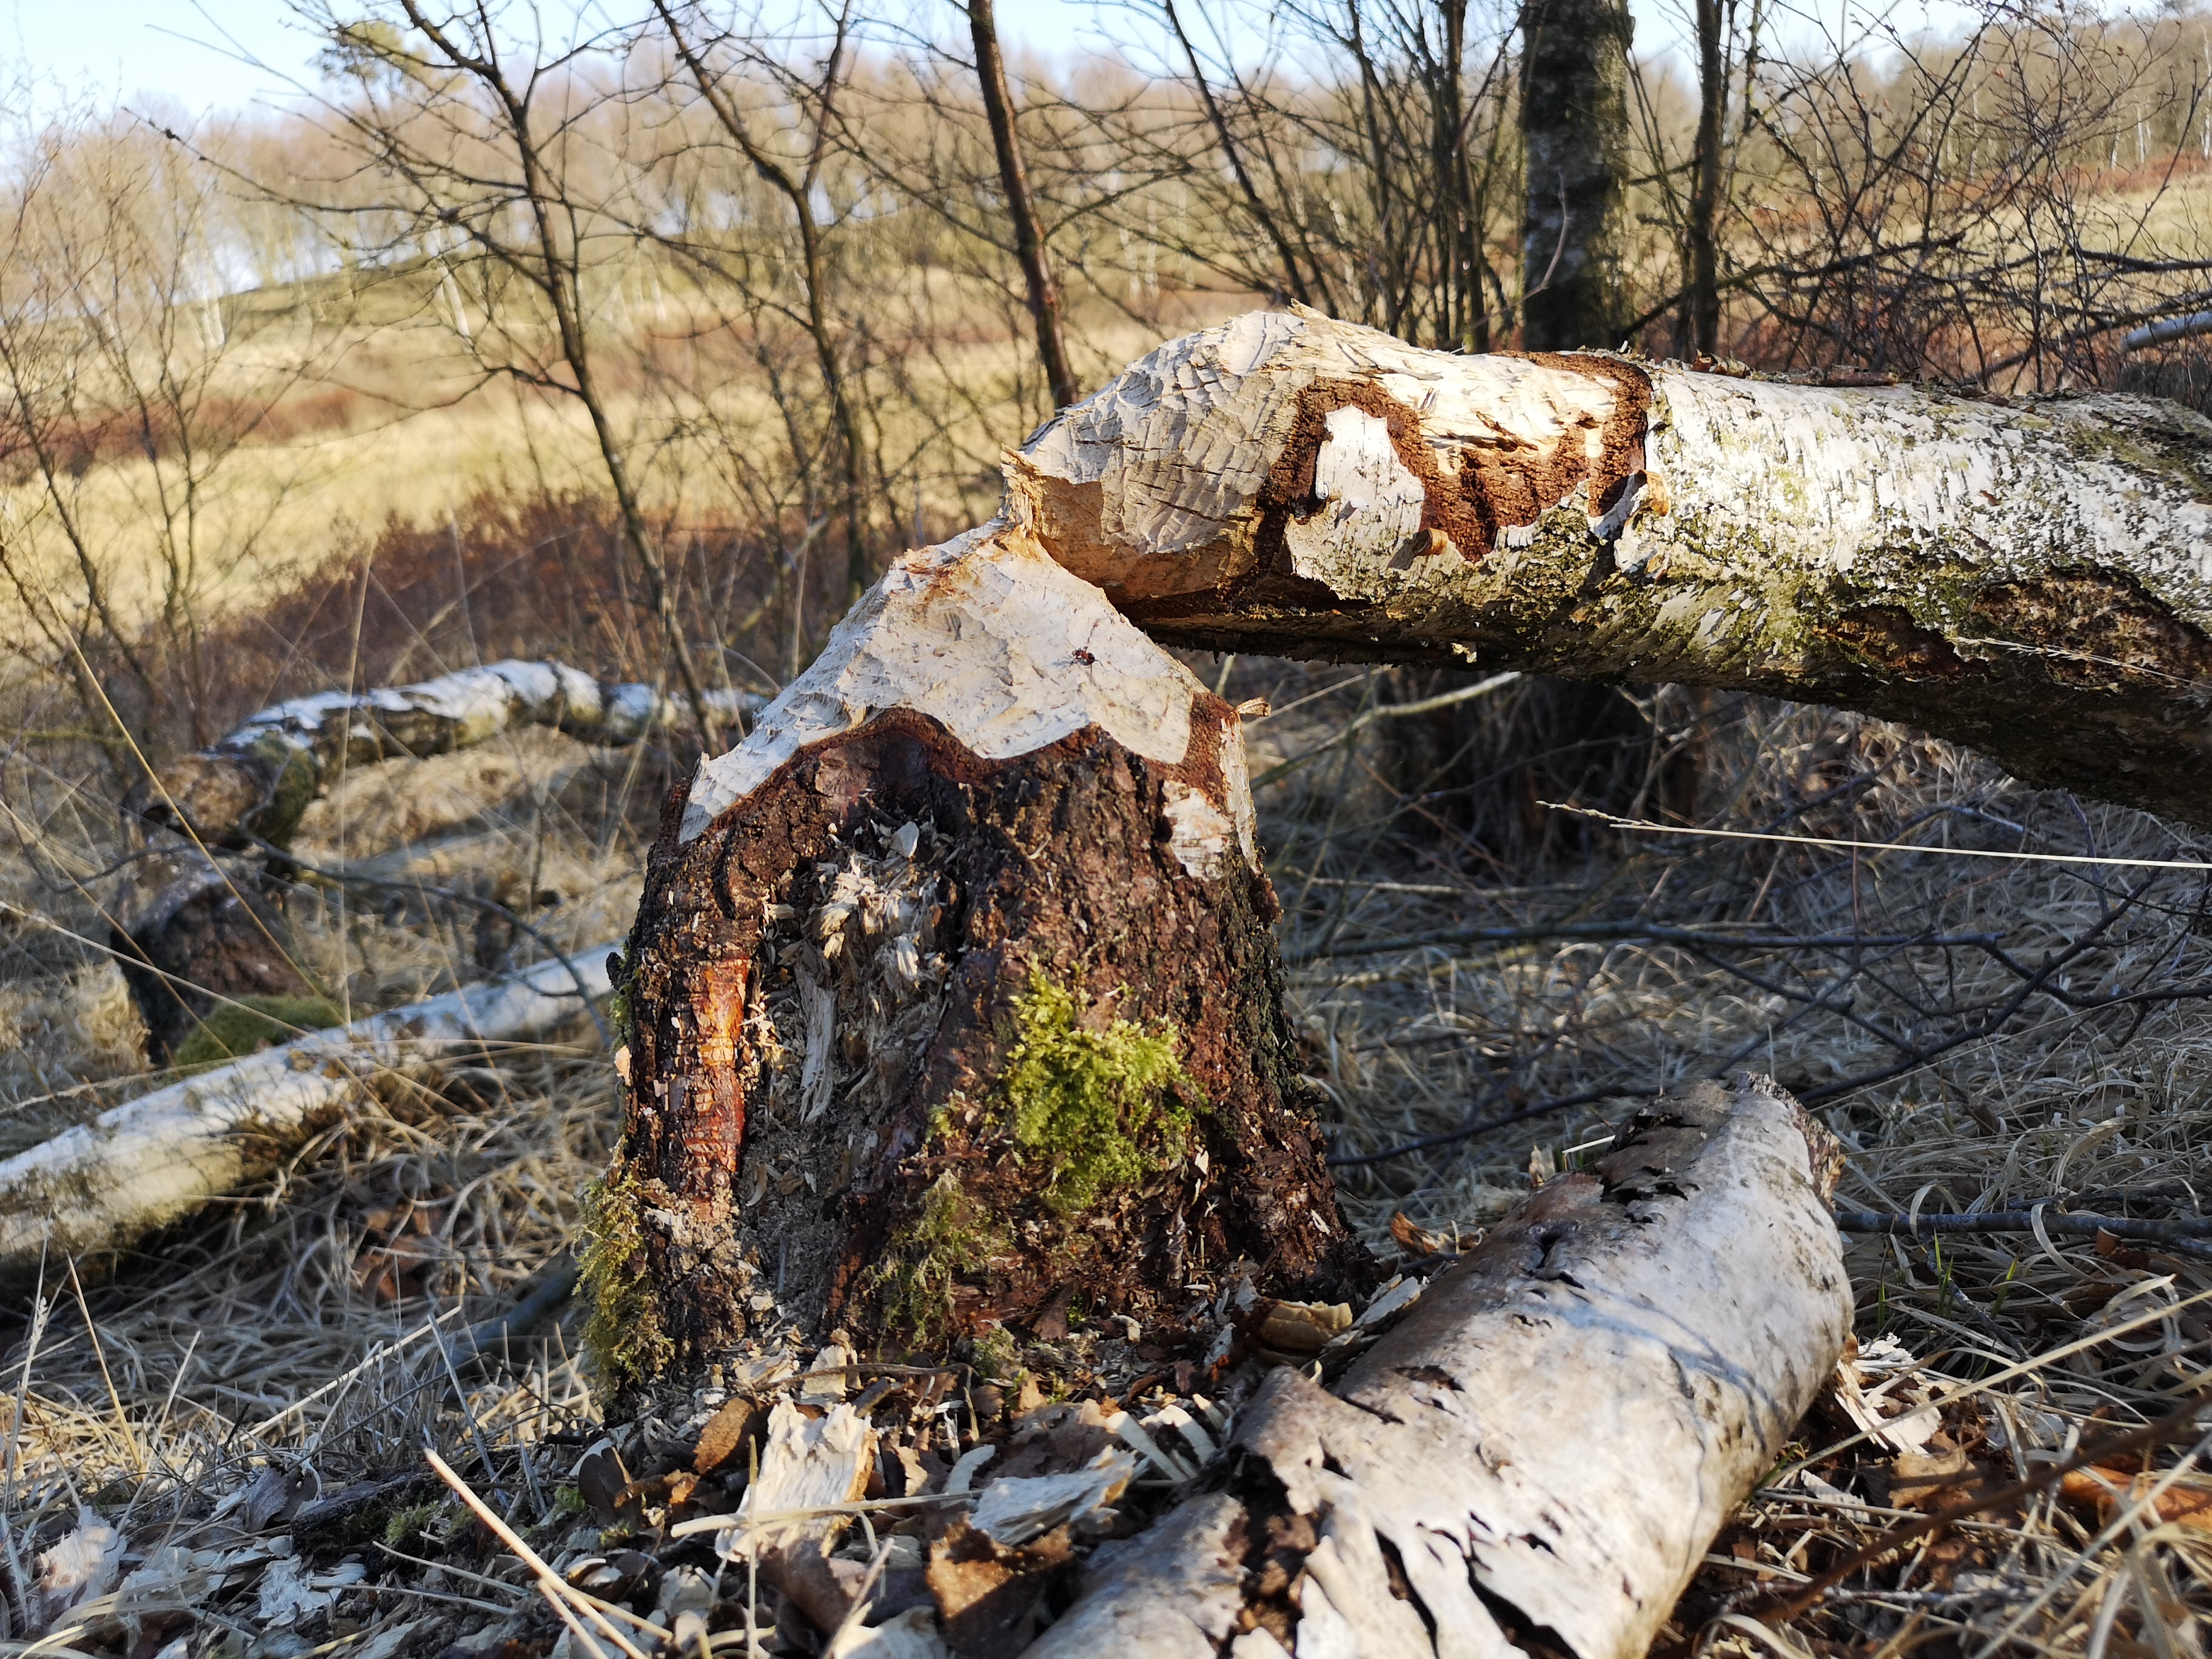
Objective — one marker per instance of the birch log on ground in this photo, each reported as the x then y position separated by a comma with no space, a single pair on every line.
103,1186
195,917
1535,1458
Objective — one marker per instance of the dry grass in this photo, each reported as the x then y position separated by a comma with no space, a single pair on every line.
2088,1091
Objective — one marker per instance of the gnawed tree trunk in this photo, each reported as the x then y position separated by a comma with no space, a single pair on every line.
993,790
104,1185
953,997
195,918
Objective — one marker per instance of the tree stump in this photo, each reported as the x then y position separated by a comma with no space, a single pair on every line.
950,999
953,1004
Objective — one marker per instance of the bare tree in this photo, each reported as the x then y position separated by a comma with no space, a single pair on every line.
697,43
477,134
1021,207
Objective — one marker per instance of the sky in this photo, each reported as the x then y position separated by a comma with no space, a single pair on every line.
196,55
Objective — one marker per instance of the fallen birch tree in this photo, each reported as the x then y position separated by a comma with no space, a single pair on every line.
195,918
951,996
102,1186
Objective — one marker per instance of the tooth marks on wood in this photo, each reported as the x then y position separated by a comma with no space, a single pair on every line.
889,895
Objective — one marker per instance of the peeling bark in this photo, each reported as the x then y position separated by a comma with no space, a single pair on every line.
1287,484
1535,1458
152,1160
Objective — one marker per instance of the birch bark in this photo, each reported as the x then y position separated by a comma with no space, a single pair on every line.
195,918
104,1185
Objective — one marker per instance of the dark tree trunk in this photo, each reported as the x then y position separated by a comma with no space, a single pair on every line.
195,932
932,907
1704,285
1574,130
1021,205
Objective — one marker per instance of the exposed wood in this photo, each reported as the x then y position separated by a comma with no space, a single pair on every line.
1547,1441
1287,484
104,1185
990,792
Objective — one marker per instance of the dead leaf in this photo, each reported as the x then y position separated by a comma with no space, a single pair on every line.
1917,1478
601,1481
2122,1256
1056,1439
725,1432
273,1498
1051,1324
1412,1236
989,1596
1302,1327
2185,1502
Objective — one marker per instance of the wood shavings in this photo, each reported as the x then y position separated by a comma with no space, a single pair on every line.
1013,1510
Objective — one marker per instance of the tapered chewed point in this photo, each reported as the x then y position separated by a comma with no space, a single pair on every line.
1285,458
952,997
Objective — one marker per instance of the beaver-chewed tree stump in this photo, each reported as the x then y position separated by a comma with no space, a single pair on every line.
953,1002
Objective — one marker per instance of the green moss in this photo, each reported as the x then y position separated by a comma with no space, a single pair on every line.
410,1525
233,1030
1090,1110
998,1357
623,1332
948,1236
296,778
618,1017
1097,1108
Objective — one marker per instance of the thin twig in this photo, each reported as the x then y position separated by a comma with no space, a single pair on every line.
549,1583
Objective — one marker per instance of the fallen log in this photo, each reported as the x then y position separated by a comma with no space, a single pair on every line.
250,786
196,917
1546,1442
103,1185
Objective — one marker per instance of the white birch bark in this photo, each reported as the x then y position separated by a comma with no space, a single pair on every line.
1549,1439
1287,484
156,1159
261,776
